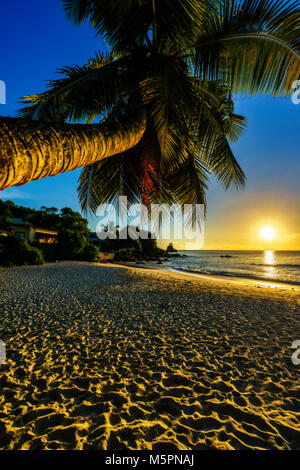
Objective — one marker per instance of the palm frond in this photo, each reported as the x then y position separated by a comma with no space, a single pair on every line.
134,173
215,124
87,190
253,46
91,90
223,164
189,182
168,108
78,10
176,21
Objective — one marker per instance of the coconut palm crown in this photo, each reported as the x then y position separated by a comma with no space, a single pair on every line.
169,79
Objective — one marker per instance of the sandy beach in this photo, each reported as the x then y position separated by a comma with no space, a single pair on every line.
109,357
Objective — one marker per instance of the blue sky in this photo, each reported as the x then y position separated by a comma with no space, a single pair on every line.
36,40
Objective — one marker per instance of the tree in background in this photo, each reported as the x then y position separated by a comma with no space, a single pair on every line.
18,252
5,214
72,235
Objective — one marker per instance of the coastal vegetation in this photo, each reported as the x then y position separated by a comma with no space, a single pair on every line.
71,242
130,244
71,238
18,252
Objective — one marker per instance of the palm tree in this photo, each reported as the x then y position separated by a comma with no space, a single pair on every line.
162,98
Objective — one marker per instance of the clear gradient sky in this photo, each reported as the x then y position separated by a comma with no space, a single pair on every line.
35,40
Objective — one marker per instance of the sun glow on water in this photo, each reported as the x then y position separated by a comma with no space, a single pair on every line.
270,264
269,257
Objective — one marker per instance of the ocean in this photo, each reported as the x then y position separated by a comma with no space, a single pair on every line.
272,266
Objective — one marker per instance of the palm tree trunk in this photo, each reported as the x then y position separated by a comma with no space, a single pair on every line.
31,150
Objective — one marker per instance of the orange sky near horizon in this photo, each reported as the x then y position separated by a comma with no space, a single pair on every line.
237,224
240,224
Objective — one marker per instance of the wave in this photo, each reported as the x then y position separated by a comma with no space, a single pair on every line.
236,274
281,265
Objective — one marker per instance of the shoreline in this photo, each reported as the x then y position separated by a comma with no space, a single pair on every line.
269,282
242,282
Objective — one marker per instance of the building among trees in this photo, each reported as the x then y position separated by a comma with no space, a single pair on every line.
21,229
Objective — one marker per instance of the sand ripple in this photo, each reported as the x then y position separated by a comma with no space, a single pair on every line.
105,358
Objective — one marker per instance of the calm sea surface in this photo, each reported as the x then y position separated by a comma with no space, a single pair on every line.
277,266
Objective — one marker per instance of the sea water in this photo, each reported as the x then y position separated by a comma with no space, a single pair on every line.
276,266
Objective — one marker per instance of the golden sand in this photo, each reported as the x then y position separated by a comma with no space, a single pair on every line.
103,357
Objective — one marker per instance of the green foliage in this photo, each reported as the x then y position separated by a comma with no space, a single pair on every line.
141,245
181,61
149,246
5,214
35,256
70,220
70,244
18,252
44,218
72,235
89,252
49,251
48,218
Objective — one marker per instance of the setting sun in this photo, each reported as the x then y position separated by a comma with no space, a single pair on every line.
267,233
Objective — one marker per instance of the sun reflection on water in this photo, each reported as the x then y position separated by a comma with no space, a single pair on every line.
270,263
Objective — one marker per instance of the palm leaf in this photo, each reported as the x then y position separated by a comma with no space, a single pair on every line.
253,46
84,92
126,24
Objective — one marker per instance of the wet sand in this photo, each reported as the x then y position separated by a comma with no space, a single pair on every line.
107,357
